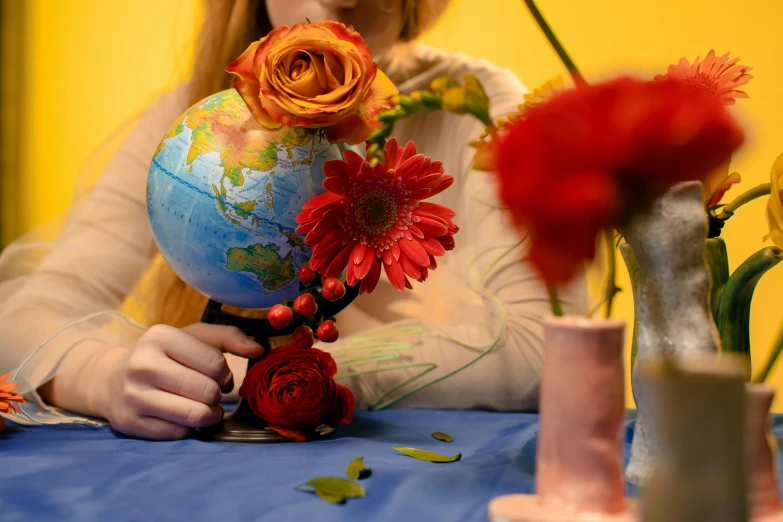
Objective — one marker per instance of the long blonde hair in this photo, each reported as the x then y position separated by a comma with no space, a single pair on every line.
229,27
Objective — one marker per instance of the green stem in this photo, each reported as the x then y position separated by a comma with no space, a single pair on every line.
610,287
554,300
558,47
733,314
773,357
762,190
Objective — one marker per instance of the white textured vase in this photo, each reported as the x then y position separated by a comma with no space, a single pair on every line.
579,456
671,301
701,475
762,455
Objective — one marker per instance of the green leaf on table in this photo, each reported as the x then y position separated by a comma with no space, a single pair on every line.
356,469
439,435
330,497
429,456
334,487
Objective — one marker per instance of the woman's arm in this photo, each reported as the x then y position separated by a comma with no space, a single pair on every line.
68,299
171,381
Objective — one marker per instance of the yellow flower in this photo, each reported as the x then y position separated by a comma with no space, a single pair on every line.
775,204
542,94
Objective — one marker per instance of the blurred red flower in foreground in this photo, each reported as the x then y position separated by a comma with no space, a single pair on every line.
373,217
8,398
591,157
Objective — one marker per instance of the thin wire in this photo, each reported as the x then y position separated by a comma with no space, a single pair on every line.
379,403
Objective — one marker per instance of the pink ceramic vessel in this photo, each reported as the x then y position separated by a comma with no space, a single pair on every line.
579,474
762,454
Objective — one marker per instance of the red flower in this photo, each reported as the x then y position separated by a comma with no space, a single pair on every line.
373,217
293,390
591,157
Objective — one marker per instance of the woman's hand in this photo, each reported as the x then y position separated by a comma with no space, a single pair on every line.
172,380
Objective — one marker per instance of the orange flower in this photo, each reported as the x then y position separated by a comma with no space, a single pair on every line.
314,75
8,399
718,76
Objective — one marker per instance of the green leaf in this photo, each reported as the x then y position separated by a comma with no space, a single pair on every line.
429,456
445,437
356,469
330,497
335,487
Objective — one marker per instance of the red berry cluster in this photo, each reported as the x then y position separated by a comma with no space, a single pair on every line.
306,306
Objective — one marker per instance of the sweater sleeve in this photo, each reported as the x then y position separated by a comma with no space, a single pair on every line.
56,294
471,336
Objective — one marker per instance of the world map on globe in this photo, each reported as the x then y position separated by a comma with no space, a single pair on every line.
223,194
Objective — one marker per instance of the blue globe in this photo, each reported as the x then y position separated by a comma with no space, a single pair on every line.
223,194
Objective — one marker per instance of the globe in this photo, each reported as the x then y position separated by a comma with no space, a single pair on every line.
223,194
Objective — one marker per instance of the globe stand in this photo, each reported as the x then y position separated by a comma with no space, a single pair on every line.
242,425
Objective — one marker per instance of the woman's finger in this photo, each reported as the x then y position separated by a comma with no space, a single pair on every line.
179,410
152,428
173,377
226,338
192,352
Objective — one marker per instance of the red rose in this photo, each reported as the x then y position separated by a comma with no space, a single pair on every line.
293,390
591,157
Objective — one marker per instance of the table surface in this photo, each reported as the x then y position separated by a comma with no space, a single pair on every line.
81,473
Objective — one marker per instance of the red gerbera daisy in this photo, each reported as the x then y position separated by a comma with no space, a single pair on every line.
373,217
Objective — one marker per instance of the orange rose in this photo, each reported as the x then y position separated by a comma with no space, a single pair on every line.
314,75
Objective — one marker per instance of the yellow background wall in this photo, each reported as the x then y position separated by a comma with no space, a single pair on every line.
94,64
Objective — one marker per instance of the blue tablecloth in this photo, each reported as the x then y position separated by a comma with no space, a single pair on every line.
78,473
